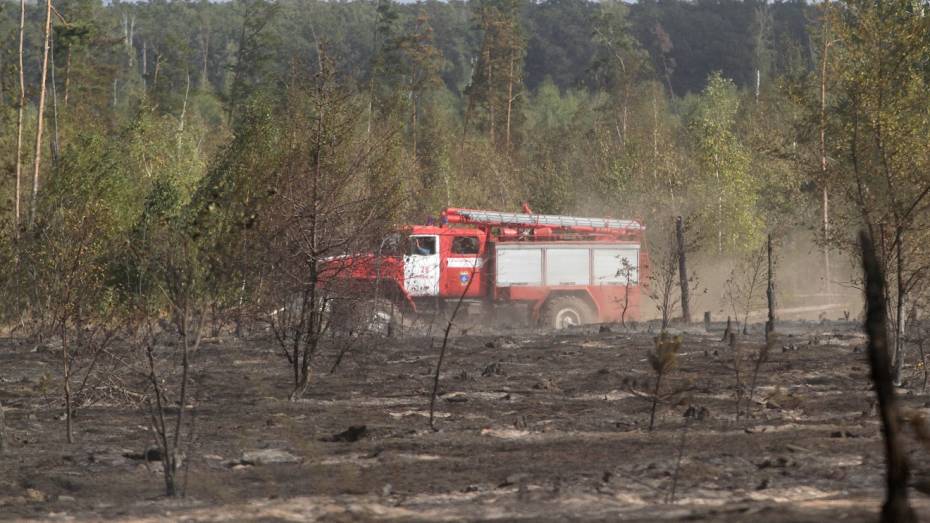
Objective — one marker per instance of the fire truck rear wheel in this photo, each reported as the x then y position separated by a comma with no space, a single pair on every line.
566,311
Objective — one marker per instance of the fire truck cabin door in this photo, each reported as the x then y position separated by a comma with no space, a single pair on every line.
461,270
421,266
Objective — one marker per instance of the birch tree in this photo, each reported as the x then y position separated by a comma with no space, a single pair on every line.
39,121
726,183
880,121
19,121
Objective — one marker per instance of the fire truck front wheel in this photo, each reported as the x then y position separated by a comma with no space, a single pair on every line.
566,311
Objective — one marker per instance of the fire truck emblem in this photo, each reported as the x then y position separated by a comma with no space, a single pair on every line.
463,277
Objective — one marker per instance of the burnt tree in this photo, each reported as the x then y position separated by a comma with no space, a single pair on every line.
683,271
896,507
770,290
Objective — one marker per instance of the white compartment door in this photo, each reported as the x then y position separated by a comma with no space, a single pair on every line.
518,266
616,266
569,266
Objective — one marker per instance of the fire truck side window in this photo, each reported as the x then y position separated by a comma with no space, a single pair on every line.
465,245
422,245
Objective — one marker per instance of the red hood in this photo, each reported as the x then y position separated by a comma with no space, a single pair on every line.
362,267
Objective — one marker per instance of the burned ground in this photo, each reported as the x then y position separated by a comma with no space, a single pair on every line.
531,426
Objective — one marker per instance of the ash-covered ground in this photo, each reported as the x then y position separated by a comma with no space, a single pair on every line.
530,427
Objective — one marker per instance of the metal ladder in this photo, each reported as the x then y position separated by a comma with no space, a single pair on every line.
546,220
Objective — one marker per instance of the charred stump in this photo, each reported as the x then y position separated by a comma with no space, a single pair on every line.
728,330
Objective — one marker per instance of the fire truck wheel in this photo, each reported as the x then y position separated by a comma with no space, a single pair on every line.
566,311
384,318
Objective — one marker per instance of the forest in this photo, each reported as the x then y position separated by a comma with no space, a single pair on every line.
186,166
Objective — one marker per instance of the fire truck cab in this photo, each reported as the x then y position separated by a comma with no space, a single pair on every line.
443,261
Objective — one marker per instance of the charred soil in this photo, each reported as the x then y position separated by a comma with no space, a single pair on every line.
531,426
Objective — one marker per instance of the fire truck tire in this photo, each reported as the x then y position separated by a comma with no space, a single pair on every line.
384,318
566,311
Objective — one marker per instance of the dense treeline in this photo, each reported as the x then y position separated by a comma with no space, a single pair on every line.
520,75
685,41
213,153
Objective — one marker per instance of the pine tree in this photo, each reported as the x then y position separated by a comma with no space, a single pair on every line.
497,81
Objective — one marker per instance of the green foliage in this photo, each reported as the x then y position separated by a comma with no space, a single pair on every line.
559,45
879,111
494,100
619,61
727,186
180,123
83,214
552,176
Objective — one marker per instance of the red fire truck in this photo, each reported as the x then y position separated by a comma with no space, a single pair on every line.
563,270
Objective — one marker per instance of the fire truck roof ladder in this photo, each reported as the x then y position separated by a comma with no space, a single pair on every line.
541,220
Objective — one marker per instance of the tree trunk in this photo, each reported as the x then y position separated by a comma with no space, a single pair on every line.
129,34
655,134
173,454
302,359
66,372
510,96
683,271
668,75
655,401
823,163
719,205
626,298
624,115
896,508
770,290
205,41
900,324
3,443
490,99
413,126
157,69
41,114
67,76
371,106
19,125
56,140
145,67
187,91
